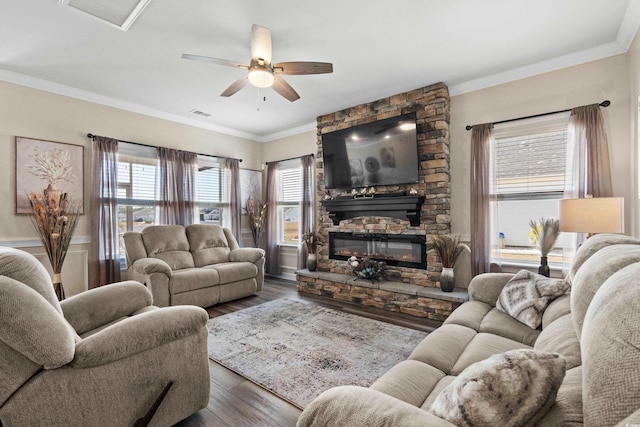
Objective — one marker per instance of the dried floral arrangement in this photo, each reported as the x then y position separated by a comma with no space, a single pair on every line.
367,268
54,218
257,213
448,247
544,233
312,240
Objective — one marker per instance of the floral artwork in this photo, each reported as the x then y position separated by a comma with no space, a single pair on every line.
47,165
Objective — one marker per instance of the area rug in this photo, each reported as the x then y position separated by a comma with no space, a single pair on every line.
297,350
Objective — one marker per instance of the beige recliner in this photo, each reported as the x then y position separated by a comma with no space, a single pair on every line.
103,357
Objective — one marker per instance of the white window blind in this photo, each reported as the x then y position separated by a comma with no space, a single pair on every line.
210,184
290,185
531,165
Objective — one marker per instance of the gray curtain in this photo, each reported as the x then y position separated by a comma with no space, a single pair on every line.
588,168
176,186
104,264
234,197
272,220
483,202
307,223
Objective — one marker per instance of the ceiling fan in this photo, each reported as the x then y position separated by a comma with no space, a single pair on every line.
261,72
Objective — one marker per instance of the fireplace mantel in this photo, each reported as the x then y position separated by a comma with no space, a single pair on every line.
402,207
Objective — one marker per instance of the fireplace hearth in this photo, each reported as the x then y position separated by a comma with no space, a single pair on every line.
397,250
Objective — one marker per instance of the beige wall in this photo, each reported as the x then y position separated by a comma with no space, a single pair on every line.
580,85
290,146
42,115
634,130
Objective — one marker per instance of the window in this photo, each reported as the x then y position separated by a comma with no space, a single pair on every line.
529,164
137,189
211,191
289,178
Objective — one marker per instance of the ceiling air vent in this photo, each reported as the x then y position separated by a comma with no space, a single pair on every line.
120,14
200,113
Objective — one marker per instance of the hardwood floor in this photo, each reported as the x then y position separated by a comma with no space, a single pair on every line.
235,401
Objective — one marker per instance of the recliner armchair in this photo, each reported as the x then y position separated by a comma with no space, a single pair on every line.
102,357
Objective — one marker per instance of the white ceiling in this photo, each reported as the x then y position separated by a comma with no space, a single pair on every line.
378,48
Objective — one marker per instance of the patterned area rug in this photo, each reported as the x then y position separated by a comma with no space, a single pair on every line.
297,350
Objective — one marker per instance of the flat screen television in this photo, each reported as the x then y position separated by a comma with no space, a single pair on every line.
384,152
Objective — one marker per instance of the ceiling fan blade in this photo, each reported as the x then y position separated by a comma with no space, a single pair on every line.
216,61
261,44
284,89
298,67
236,86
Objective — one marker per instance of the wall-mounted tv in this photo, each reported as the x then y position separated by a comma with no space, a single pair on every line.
384,152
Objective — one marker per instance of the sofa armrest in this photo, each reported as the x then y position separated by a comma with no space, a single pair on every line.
139,333
146,266
246,254
360,406
487,287
99,306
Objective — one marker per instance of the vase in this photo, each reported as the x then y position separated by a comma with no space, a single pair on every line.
312,262
544,267
57,286
447,279
52,192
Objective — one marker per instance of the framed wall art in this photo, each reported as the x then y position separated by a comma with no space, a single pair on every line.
47,165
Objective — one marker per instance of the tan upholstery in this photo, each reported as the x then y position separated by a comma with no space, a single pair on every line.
595,327
200,264
99,358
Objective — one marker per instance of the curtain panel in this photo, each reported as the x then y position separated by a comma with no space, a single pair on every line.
588,167
104,263
307,223
176,187
271,246
233,165
483,202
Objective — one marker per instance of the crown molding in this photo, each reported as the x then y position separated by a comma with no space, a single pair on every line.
60,89
630,25
555,64
289,132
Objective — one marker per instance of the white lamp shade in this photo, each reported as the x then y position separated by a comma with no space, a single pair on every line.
592,215
261,78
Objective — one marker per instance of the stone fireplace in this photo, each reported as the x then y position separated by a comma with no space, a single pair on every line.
431,215
393,225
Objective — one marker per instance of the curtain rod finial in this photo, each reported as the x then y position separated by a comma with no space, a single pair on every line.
469,127
605,103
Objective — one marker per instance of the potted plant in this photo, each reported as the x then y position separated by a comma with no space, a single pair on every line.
543,234
448,248
257,213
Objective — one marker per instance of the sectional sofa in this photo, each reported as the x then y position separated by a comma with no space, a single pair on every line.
201,264
581,366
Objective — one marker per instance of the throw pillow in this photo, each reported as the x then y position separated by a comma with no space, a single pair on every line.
527,295
515,388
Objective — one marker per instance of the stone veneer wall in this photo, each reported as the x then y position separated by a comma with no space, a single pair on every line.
431,105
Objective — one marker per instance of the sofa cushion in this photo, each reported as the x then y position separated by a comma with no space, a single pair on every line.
567,411
499,323
168,243
560,337
593,245
526,296
594,272
410,381
208,244
191,279
611,349
442,347
513,388
470,316
556,309
234,271
483,346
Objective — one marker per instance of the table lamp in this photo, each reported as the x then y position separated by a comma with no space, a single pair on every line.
592,215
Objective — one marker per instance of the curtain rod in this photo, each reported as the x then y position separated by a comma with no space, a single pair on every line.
291,158
92,136
602,104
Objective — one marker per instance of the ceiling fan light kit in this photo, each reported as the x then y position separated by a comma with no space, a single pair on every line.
261,73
